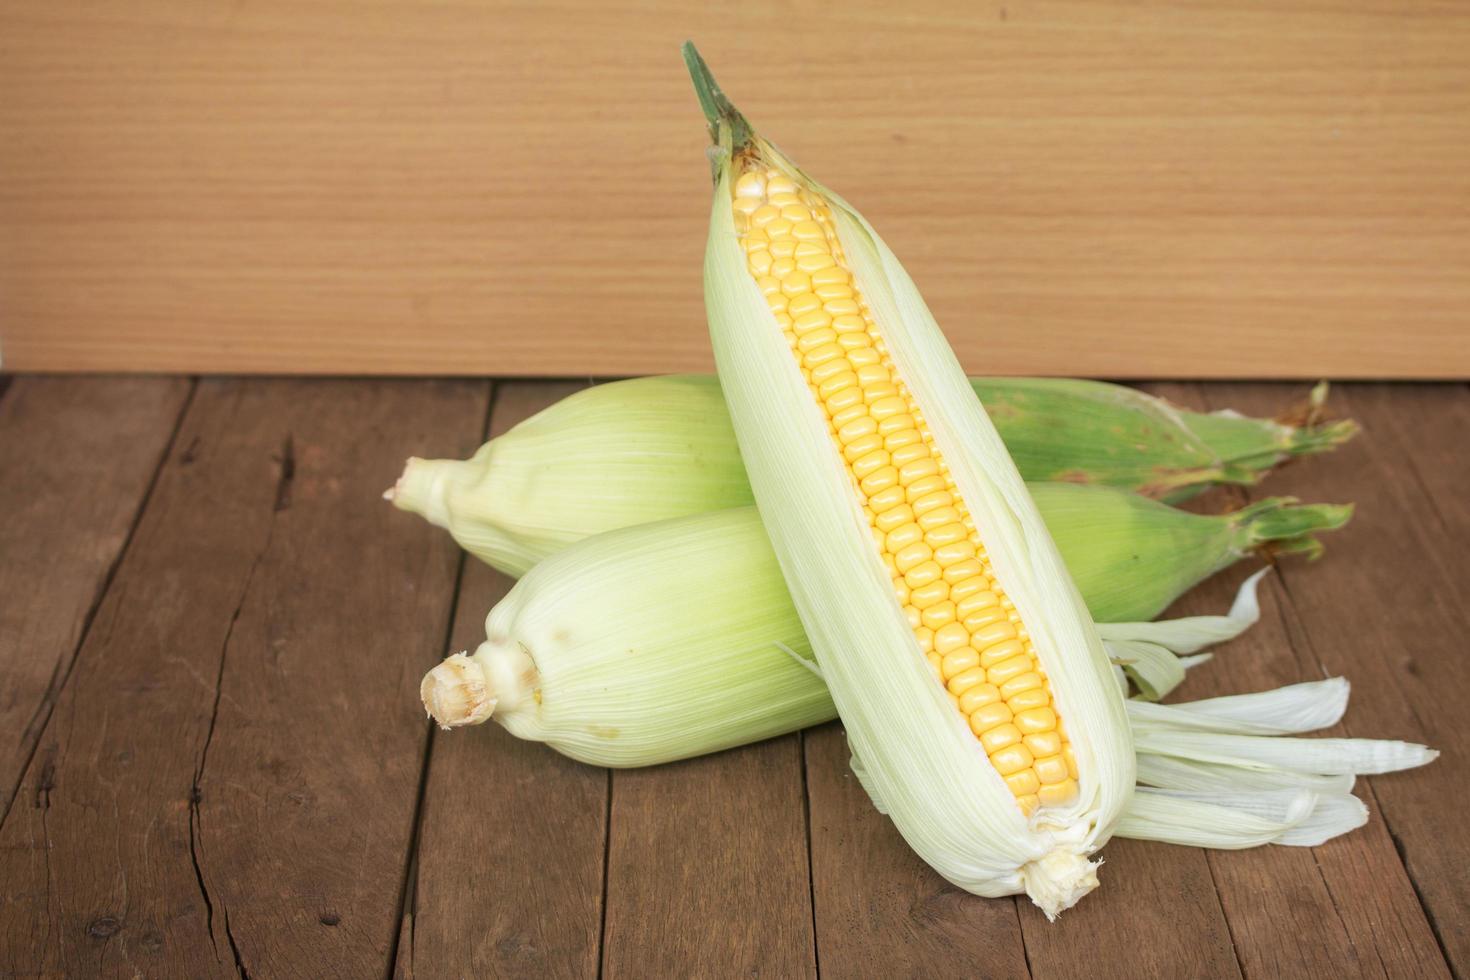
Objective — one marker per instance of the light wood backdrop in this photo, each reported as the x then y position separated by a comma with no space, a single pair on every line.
1244,188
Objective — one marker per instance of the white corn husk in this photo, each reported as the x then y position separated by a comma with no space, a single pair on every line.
1151,653
919,756
684,630
1219,773
656,643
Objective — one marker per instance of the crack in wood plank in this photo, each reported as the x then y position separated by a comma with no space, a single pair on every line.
30,737
408,892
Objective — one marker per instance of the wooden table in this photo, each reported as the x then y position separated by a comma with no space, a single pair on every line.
214,761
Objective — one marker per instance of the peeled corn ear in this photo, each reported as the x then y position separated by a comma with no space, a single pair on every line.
856,424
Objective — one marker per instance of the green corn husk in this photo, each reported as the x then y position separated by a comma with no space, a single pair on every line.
647,449
672,640
1132,557
593,464
1090,432
553,481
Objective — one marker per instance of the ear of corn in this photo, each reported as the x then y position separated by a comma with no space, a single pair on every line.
656,643
851,443
668,640
652,448
538,489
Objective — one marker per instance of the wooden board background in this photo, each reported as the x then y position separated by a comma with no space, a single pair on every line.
1140,189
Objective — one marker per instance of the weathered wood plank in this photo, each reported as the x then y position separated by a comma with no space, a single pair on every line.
707,868
228,779
1384,610
77,456
1149,892
512,835
879,910
1351,895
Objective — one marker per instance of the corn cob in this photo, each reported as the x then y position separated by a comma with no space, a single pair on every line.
660,642
650,448
972,683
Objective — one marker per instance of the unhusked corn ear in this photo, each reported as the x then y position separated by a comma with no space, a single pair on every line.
653,643
793,390
631,648
648,449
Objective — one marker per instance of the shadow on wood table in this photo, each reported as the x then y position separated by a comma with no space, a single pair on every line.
214,761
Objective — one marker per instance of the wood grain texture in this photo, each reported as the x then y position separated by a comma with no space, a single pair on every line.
707,868
76,462
227,782
509,880
1352,896
880,911
1408,667
1121,189
1149,892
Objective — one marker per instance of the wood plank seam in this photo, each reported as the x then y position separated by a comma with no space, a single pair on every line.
1434,927
408,890
1220,902
36,727
811,881
606,874
1405,458
1239,497
1025,952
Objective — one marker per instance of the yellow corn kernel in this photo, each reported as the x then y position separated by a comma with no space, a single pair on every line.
988,717
962,682
956,660
962,620
1058,794
1051,769
1024,782
978,696
1036,697
933,593
1041,744
939,615
993,652
1011,756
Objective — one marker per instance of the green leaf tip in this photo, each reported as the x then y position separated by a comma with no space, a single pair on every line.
717,108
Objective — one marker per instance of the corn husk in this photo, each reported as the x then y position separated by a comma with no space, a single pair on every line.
658,643
532,492
1090,432
652,448
917,754
618,622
